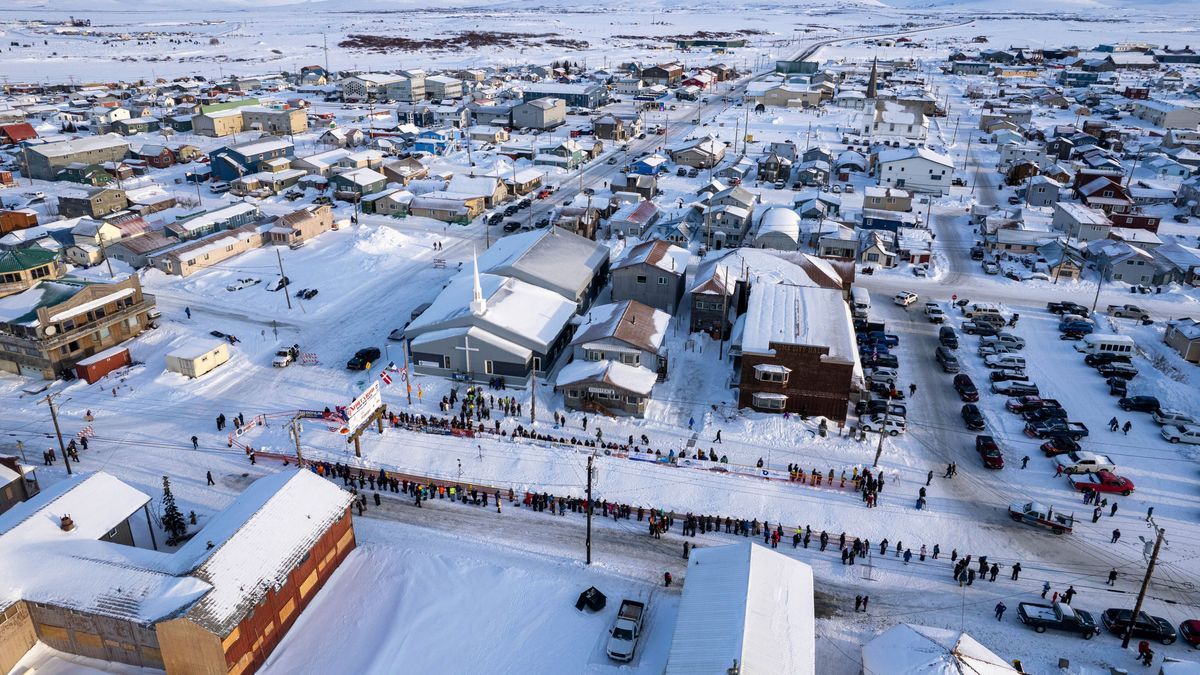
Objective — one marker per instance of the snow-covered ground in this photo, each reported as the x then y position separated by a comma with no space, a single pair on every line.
448,583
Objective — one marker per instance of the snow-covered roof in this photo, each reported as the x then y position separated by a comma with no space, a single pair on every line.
779,220
78,145
257,541
795,315
552,258
634,379
628,321
907,649
747,604
659,253
912,153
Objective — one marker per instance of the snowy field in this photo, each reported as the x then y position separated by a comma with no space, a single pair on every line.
452,584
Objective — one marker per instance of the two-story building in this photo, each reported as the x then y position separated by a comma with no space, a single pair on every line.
651,273
234,161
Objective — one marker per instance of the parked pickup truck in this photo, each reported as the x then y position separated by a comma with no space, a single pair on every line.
1128,312
626,631
1057,427
1033,513
1059,617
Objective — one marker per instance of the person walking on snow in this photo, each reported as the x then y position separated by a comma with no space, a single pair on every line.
1113,511
1046,588
1126,427
718,438
1024,461
907,555
866,599
1016,571
857,602
188,312
912,390
667,579
1000,607
1116,536
1066,598
929,477
1112,577
691,422
208,475
195,443
1113,424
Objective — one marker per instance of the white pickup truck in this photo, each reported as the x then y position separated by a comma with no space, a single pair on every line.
1128,312
626,631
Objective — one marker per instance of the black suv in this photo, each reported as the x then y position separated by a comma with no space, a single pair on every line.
1097,360
1146,626
947,337
972,417
1121,370
965,388
363,358
1139,404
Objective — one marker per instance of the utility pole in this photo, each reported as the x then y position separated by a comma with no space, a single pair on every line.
49,400
1137,606
887,420
588,541
532,398
296,437
104,252
1099,283
287,292
407,383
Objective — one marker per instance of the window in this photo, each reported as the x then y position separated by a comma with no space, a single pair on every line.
487,367
766,372
768,401
103,334
593,355
100,312
537,363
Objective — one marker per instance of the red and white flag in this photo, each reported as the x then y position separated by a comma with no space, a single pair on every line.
387,379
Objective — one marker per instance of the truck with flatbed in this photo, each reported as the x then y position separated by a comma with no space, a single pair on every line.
1040,515
623,637
1128,312
1056,427
1058,616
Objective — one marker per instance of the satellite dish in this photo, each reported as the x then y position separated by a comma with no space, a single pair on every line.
51,330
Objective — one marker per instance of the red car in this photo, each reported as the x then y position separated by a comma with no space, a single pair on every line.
1190,632
989,452
1102,481
1060,445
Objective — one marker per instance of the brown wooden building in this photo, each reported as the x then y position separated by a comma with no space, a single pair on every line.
797,351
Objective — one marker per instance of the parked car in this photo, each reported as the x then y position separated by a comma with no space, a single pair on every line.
883,376
1056,427
1097,360
1139,404
1058,616
880,361
1084,462
966,388
1007,339
1033,513
976,327
1005,361
1117,387
1022,404
363,358
1182,433
990,267
972,417
623,636
1190,632
1008,374
1128,312
934,312
1167,416
989,452
1073,327
892,426
1015,388
889,339
1102,481
881,406
1118,621
948,360
1060,445
905,298
947,337
1123,371
1044,415
1068,308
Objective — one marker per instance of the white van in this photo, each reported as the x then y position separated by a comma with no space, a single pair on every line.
1106,344
860,302
980,308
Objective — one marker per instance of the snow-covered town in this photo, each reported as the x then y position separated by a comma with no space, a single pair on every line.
368,337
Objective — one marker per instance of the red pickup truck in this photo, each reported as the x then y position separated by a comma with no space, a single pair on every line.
1102,481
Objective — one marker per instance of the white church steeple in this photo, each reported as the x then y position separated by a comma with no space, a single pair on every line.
478,304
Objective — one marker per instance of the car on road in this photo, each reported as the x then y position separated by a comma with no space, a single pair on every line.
905,298
363,358
1182,433
990,267
1044,415
1068,308
993,349
977,253
1004,361
1118,621
1097,360
1084,462
1073,335
966,388
1123,371
889,339
976,327
681,171
512,226
880,361
880,406
948,360
1058,616
1015,388
1128,312
884,376
1102,481
1060,445
1073,327
1167,416
1009,340
972,417
1117,387
989,451
1139,404
892,426
1056,427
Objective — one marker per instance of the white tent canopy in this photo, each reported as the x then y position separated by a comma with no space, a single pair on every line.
906,649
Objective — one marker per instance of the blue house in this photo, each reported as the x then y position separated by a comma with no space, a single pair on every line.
434,141
649,166
234,161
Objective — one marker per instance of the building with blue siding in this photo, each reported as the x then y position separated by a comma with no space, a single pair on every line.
234,161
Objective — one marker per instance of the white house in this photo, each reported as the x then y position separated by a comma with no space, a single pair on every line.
916,169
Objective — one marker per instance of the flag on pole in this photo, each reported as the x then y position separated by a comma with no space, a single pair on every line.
387,379
391,366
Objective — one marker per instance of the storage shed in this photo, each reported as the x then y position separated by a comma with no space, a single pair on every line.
198,358
102,363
